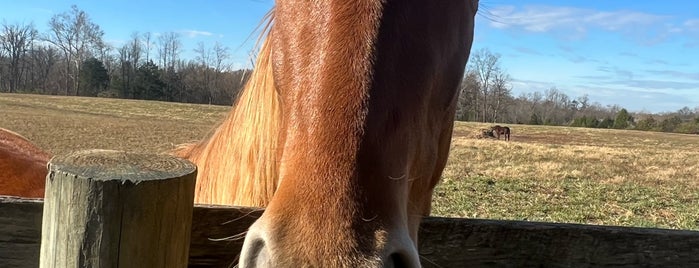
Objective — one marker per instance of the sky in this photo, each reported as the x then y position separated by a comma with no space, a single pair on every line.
640,55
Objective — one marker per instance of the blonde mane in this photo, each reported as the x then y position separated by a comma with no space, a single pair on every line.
237,164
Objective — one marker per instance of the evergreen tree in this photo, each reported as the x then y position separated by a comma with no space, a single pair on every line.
606,123
149,86
591,122
622,119
94,78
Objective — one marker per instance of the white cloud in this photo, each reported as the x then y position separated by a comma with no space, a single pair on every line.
692,24
574,21
195,33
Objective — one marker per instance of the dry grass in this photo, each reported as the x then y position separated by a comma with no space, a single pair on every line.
579,175
65,124
559,174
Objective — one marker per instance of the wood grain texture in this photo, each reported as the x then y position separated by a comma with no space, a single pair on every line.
444,242
116,209
20,231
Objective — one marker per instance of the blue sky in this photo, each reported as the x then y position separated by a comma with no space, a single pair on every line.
641,55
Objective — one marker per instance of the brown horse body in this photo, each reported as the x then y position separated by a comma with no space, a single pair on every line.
22,166
498,130
342,131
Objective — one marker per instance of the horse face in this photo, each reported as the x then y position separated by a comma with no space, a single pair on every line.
368,92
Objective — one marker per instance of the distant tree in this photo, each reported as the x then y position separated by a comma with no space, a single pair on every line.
149,86
591,122
147,44
689,127
75,34
606,123
491,79
622,119
220,57
129,62
45,71
685,113
16,40
501,96
534,119
579,122
204,58
646,124
94,77
466,109
670,124
556,108
169,48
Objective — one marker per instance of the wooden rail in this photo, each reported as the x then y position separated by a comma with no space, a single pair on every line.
444,242
217,231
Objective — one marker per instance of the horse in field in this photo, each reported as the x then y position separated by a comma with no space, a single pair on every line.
342,131
498,130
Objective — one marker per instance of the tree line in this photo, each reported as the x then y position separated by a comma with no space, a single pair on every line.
486,96
73,59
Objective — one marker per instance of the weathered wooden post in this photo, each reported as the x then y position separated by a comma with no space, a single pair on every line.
115,209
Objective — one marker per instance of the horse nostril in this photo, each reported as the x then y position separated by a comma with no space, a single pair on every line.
396,260
254,253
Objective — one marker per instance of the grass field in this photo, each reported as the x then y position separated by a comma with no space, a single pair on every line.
553,174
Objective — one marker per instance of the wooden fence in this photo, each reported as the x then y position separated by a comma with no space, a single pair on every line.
444,242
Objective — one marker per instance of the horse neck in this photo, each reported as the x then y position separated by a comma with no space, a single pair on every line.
237,164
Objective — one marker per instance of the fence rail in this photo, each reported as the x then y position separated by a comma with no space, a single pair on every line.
444,242
217,231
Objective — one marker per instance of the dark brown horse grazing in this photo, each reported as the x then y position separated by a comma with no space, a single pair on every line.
342,131
498,130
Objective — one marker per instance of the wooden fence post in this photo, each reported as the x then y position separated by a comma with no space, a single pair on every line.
115,209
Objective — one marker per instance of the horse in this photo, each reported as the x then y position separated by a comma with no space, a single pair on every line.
498,130
342,131
22,166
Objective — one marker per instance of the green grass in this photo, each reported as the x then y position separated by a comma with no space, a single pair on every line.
553,174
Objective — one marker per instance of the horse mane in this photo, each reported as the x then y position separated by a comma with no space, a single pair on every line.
237,164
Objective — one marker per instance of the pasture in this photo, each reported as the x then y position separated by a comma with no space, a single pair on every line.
552,174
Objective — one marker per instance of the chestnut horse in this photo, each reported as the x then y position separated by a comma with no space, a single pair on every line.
498,130
342,131
22,166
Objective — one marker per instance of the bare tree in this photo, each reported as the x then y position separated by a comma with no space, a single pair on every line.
486,65
147,44
204,74
129,60
169,47
501,95
16,40
221,57
494,93
466,107
44,61
75,34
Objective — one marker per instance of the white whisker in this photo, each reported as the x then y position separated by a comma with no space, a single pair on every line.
397,178
430,261
230,238
242,216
